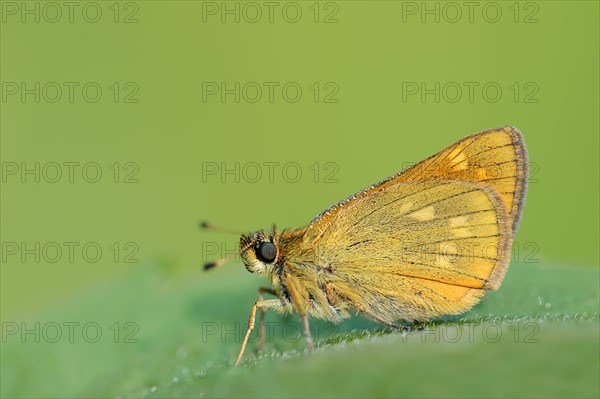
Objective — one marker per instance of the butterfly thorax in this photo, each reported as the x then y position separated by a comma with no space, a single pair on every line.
290,263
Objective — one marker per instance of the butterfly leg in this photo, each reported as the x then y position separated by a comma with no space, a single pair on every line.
300,303
307,335
404,328
261,337
399,327
264,304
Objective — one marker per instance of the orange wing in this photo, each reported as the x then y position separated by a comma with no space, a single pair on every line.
481,180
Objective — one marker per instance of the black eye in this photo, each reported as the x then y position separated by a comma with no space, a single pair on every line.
266,252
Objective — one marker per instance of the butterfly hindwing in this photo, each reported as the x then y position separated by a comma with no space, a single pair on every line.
429,247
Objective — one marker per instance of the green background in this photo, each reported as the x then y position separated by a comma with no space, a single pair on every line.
170,131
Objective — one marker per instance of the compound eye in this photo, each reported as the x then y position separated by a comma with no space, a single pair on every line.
266,252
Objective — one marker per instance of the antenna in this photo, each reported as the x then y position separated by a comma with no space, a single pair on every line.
226,259
219,262
209,226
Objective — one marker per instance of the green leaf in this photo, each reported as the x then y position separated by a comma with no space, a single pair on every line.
535,337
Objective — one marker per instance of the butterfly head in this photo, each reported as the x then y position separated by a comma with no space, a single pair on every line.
260,251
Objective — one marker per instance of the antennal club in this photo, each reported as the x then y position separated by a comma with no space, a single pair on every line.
216,263
226,259
209,226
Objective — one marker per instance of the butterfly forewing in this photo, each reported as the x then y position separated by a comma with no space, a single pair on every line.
496,157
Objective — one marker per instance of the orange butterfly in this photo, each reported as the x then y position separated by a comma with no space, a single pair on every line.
424,243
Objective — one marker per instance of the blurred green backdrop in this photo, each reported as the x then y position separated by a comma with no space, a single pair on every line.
180,104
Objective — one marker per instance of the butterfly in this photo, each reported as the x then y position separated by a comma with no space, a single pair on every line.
421,244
